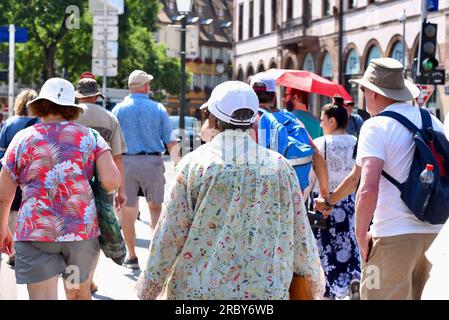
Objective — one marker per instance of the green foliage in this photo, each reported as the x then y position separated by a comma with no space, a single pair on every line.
52,48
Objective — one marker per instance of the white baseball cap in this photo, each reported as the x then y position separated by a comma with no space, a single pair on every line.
230,96
265,79
138,78
58,91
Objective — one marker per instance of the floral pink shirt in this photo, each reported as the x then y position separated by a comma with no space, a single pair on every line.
53,164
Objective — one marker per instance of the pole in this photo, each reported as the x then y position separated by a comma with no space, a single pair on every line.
404,18
340,43
183,73
105,50
12,41
423,18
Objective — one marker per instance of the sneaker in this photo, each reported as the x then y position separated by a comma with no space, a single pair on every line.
354,290
131,263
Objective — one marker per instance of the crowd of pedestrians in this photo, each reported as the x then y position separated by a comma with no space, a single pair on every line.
237,220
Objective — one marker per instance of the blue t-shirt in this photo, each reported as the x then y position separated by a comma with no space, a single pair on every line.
355,123
145,124
10,129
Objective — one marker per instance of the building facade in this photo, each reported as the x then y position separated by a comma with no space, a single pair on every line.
213,64
334,38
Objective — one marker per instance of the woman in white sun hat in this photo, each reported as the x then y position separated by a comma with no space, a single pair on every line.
52,162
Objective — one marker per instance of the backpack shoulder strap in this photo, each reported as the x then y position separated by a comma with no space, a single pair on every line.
392,180
401,119
426,119
406,123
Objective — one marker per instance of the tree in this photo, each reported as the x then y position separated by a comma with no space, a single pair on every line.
60,44
46,22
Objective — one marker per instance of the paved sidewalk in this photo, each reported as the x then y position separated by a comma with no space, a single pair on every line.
114,282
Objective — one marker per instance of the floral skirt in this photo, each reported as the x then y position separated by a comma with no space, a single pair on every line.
338,249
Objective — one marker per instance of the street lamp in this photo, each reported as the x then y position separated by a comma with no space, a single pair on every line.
184,7
403,19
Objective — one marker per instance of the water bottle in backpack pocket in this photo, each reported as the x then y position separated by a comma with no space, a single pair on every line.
426,189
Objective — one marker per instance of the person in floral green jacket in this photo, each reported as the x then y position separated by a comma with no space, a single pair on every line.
234,225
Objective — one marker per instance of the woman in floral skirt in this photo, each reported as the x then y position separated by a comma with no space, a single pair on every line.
337,244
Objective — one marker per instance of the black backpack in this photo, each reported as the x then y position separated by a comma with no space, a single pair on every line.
432,147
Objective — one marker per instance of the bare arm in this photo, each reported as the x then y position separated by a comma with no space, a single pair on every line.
366,201
7,192
120,199
345,188
320,169
108,172
173,149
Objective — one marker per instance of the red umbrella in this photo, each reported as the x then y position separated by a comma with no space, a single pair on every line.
310,82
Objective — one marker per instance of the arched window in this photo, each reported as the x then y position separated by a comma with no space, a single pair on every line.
327,68
273,65
261,68
373,53
240,75
249,72
352,63
289,64
309,65
397,53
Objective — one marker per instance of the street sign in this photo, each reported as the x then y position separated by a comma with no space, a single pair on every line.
112,33
111,67
426,92
432,5
111,50
21,34
111,20
97,6
173,41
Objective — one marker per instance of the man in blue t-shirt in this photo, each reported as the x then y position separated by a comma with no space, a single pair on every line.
146,127
264,86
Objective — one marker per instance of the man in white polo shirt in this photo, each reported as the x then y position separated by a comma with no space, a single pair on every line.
393,261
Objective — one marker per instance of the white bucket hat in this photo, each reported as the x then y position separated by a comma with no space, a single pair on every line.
230,96
385,76
58,91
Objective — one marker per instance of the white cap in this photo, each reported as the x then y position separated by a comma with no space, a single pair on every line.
230,96
138,78
266,79
58,91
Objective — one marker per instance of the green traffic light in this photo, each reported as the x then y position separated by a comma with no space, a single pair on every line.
429,64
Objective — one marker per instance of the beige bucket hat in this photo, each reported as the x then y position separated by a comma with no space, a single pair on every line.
385,76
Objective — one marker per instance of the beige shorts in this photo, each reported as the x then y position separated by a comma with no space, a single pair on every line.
397,268
145,172
40,261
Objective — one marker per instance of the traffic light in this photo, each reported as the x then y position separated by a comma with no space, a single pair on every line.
428,62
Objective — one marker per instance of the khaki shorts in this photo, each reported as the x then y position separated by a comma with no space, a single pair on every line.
40,261
397,268
145,172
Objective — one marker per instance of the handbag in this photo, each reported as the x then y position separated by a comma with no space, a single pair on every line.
111,240
299,289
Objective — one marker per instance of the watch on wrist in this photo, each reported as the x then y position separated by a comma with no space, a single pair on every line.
327,204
